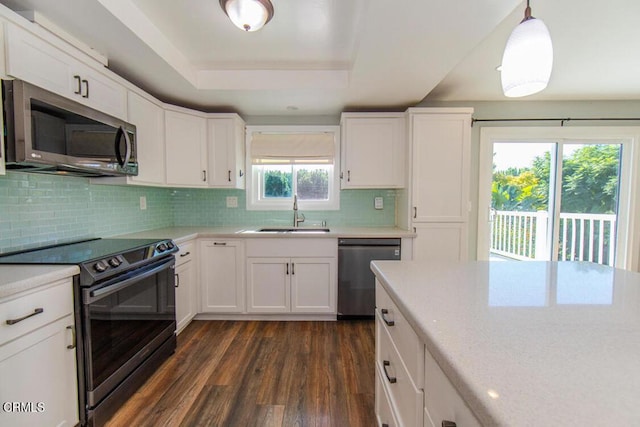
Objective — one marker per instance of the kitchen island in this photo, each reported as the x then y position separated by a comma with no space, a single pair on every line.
526,343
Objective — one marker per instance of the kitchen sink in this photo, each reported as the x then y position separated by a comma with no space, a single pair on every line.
292,230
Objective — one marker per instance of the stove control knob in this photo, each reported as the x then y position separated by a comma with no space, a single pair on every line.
161,247
170,245
100,266
114,262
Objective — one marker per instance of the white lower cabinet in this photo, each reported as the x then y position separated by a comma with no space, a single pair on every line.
441,400
292,276
186,289
222,276
38,358
411,389
296,285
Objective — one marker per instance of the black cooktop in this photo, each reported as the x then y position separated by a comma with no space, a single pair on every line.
76,253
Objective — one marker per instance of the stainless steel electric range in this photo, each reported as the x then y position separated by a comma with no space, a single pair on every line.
125,315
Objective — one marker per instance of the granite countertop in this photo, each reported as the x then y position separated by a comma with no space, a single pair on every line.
18,278
180,234
528,343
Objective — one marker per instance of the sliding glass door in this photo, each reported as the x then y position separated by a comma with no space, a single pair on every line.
563,198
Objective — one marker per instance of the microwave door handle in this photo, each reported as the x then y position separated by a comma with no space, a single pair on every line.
127,142
119,134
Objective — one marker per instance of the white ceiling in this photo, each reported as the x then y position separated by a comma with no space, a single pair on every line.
320,57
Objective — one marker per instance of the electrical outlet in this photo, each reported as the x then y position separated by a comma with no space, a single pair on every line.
378,203
143,203
232,202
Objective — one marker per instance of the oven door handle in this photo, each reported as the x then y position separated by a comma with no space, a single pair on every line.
97,294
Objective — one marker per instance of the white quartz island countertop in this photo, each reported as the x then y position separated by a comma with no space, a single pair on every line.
529,343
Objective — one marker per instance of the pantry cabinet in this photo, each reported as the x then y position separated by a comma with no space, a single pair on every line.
222,276
186,148
373,150
185,284
440,146
34,60
292,276
226,151
38,357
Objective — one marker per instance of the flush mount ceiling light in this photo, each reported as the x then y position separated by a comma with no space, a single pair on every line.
527,58
248,15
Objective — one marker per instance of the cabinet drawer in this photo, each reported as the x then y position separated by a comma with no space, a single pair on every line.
409,347
56,301
442,401
384,413
406,399
185,252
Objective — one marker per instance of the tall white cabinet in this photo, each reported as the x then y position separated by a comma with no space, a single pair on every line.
438,200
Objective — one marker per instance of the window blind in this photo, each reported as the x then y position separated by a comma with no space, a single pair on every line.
292,148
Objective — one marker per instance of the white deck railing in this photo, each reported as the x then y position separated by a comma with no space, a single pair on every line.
583,237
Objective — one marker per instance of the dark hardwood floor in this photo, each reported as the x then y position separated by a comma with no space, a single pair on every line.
228,373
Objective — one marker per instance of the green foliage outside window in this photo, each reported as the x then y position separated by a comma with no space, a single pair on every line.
590,182
278,183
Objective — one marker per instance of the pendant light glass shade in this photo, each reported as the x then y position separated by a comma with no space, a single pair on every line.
248,15
527,58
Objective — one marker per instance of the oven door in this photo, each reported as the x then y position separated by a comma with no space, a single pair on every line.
125,320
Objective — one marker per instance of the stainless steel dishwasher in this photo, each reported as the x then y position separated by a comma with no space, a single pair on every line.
356,282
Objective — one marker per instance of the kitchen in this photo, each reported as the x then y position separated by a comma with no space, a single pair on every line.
42,208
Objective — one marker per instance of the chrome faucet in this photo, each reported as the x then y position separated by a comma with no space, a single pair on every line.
296,219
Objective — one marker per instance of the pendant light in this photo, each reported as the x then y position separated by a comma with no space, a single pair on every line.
527,59
248,15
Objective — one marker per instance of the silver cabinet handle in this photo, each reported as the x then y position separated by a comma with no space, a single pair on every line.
73,337
415,212
14,321
229,176
204,175
287,269
241,173
185,254
388,322
177,285
293,271
219,243
348,176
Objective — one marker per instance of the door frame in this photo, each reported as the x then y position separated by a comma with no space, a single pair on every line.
628,229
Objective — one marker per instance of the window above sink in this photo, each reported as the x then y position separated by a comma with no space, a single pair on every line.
284,161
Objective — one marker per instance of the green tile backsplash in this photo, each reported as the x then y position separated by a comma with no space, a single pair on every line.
40,208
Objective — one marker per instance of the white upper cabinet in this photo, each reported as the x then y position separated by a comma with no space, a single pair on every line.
149,121
373,150
440,173
226,151
186,149
32,59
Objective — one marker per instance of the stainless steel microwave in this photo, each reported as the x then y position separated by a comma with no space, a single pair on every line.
45,132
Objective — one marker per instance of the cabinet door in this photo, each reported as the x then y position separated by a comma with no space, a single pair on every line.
221,276
268,285
149,121
373,152
440,182
440,242
185,294
39,370
226,156
34,60
313,285
186,149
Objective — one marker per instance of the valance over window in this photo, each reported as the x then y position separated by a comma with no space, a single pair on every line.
292,148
